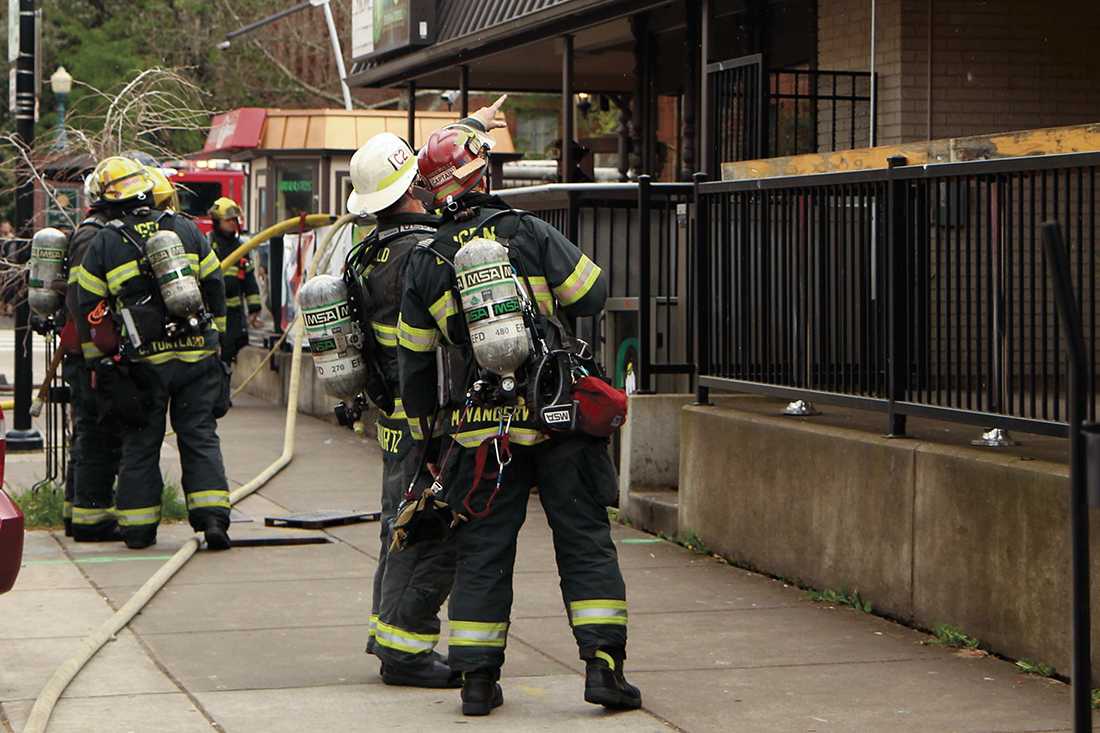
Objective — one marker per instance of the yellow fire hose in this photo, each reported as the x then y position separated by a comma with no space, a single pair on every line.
67,672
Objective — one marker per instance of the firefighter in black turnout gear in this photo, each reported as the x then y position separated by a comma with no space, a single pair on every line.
410,586
97,446
498,449
154,275
242,292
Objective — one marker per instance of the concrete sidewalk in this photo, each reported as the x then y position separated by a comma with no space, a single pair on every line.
271,639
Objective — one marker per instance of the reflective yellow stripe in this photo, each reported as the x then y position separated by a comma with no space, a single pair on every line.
579,282
398,410
90,350
206,499
607,658
91,283
519,436
443,309
384,335
394,637
219,323
478,633
74,273
67,509
396,175
543,296
138,517
602,611
372,624
189,357
122,273
234,302
414,428
90,516
231,271
416,339
255,300
210,264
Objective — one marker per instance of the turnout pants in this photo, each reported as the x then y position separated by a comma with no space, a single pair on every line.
185,392
410,586
576,482
93,458
236,333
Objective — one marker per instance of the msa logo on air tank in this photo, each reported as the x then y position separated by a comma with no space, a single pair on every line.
484,275
338,312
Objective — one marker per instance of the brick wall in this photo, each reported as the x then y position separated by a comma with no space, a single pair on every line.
998,65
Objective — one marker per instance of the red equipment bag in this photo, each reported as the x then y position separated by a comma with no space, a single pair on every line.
70,341
11,542
601,409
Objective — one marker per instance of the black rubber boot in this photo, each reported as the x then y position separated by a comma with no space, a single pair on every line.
100,533
435,675
217,535
481,692
139,540
605,684
68,526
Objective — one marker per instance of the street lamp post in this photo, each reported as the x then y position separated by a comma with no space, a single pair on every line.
61,82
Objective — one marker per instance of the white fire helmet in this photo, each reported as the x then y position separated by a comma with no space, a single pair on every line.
381,172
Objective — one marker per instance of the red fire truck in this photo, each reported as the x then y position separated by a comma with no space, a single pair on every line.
199,188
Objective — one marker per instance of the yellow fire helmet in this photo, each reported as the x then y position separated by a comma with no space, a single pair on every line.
122,179
225,208
164,193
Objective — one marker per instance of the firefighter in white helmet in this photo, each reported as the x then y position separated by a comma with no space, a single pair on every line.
409,587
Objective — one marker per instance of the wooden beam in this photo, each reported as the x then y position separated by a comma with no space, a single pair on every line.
1045,141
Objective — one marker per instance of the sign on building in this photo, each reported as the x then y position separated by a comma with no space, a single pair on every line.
380,27
63,208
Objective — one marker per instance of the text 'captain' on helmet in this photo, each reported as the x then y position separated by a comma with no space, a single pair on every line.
454,161
382,171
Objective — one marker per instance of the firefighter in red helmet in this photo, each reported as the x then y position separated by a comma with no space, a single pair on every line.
500,439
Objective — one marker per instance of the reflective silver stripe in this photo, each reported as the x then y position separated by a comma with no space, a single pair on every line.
599,613
133,518
389,637
478,633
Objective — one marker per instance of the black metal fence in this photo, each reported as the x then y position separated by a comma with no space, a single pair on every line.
915,290
755,112
639,234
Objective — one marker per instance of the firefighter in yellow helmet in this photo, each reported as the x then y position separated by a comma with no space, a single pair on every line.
164,193
242,292
153,276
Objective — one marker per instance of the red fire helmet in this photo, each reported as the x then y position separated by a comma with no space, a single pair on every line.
454,161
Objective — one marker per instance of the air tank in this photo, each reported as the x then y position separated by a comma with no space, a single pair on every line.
46,282
492,306
334,338
175,277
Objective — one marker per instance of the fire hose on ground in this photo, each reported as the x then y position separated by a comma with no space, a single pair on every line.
67,672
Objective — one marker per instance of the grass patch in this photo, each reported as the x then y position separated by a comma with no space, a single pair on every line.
1042,670
950,636
1096,699
851,599
43,508
692,541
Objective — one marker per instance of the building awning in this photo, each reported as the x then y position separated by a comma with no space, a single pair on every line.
514,45
250,132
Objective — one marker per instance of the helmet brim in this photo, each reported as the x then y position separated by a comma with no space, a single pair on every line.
372,203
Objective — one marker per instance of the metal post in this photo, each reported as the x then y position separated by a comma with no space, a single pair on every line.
874,89
338,52
275,282
464,90
1056,258
567,162
645,344
706,129
702,288
410,132
23,436
897,323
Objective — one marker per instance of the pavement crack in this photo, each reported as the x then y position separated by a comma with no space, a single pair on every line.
141,642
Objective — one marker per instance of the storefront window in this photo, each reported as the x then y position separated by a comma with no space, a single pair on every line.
295,190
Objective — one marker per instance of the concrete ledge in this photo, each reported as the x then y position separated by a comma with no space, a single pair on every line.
928,532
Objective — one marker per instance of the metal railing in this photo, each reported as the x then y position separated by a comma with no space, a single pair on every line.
755,112
638,234
917,290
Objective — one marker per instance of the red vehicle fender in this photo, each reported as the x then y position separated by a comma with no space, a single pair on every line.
11,529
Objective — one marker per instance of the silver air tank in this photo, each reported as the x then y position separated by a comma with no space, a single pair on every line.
334,338
493,309
46,282
175,276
